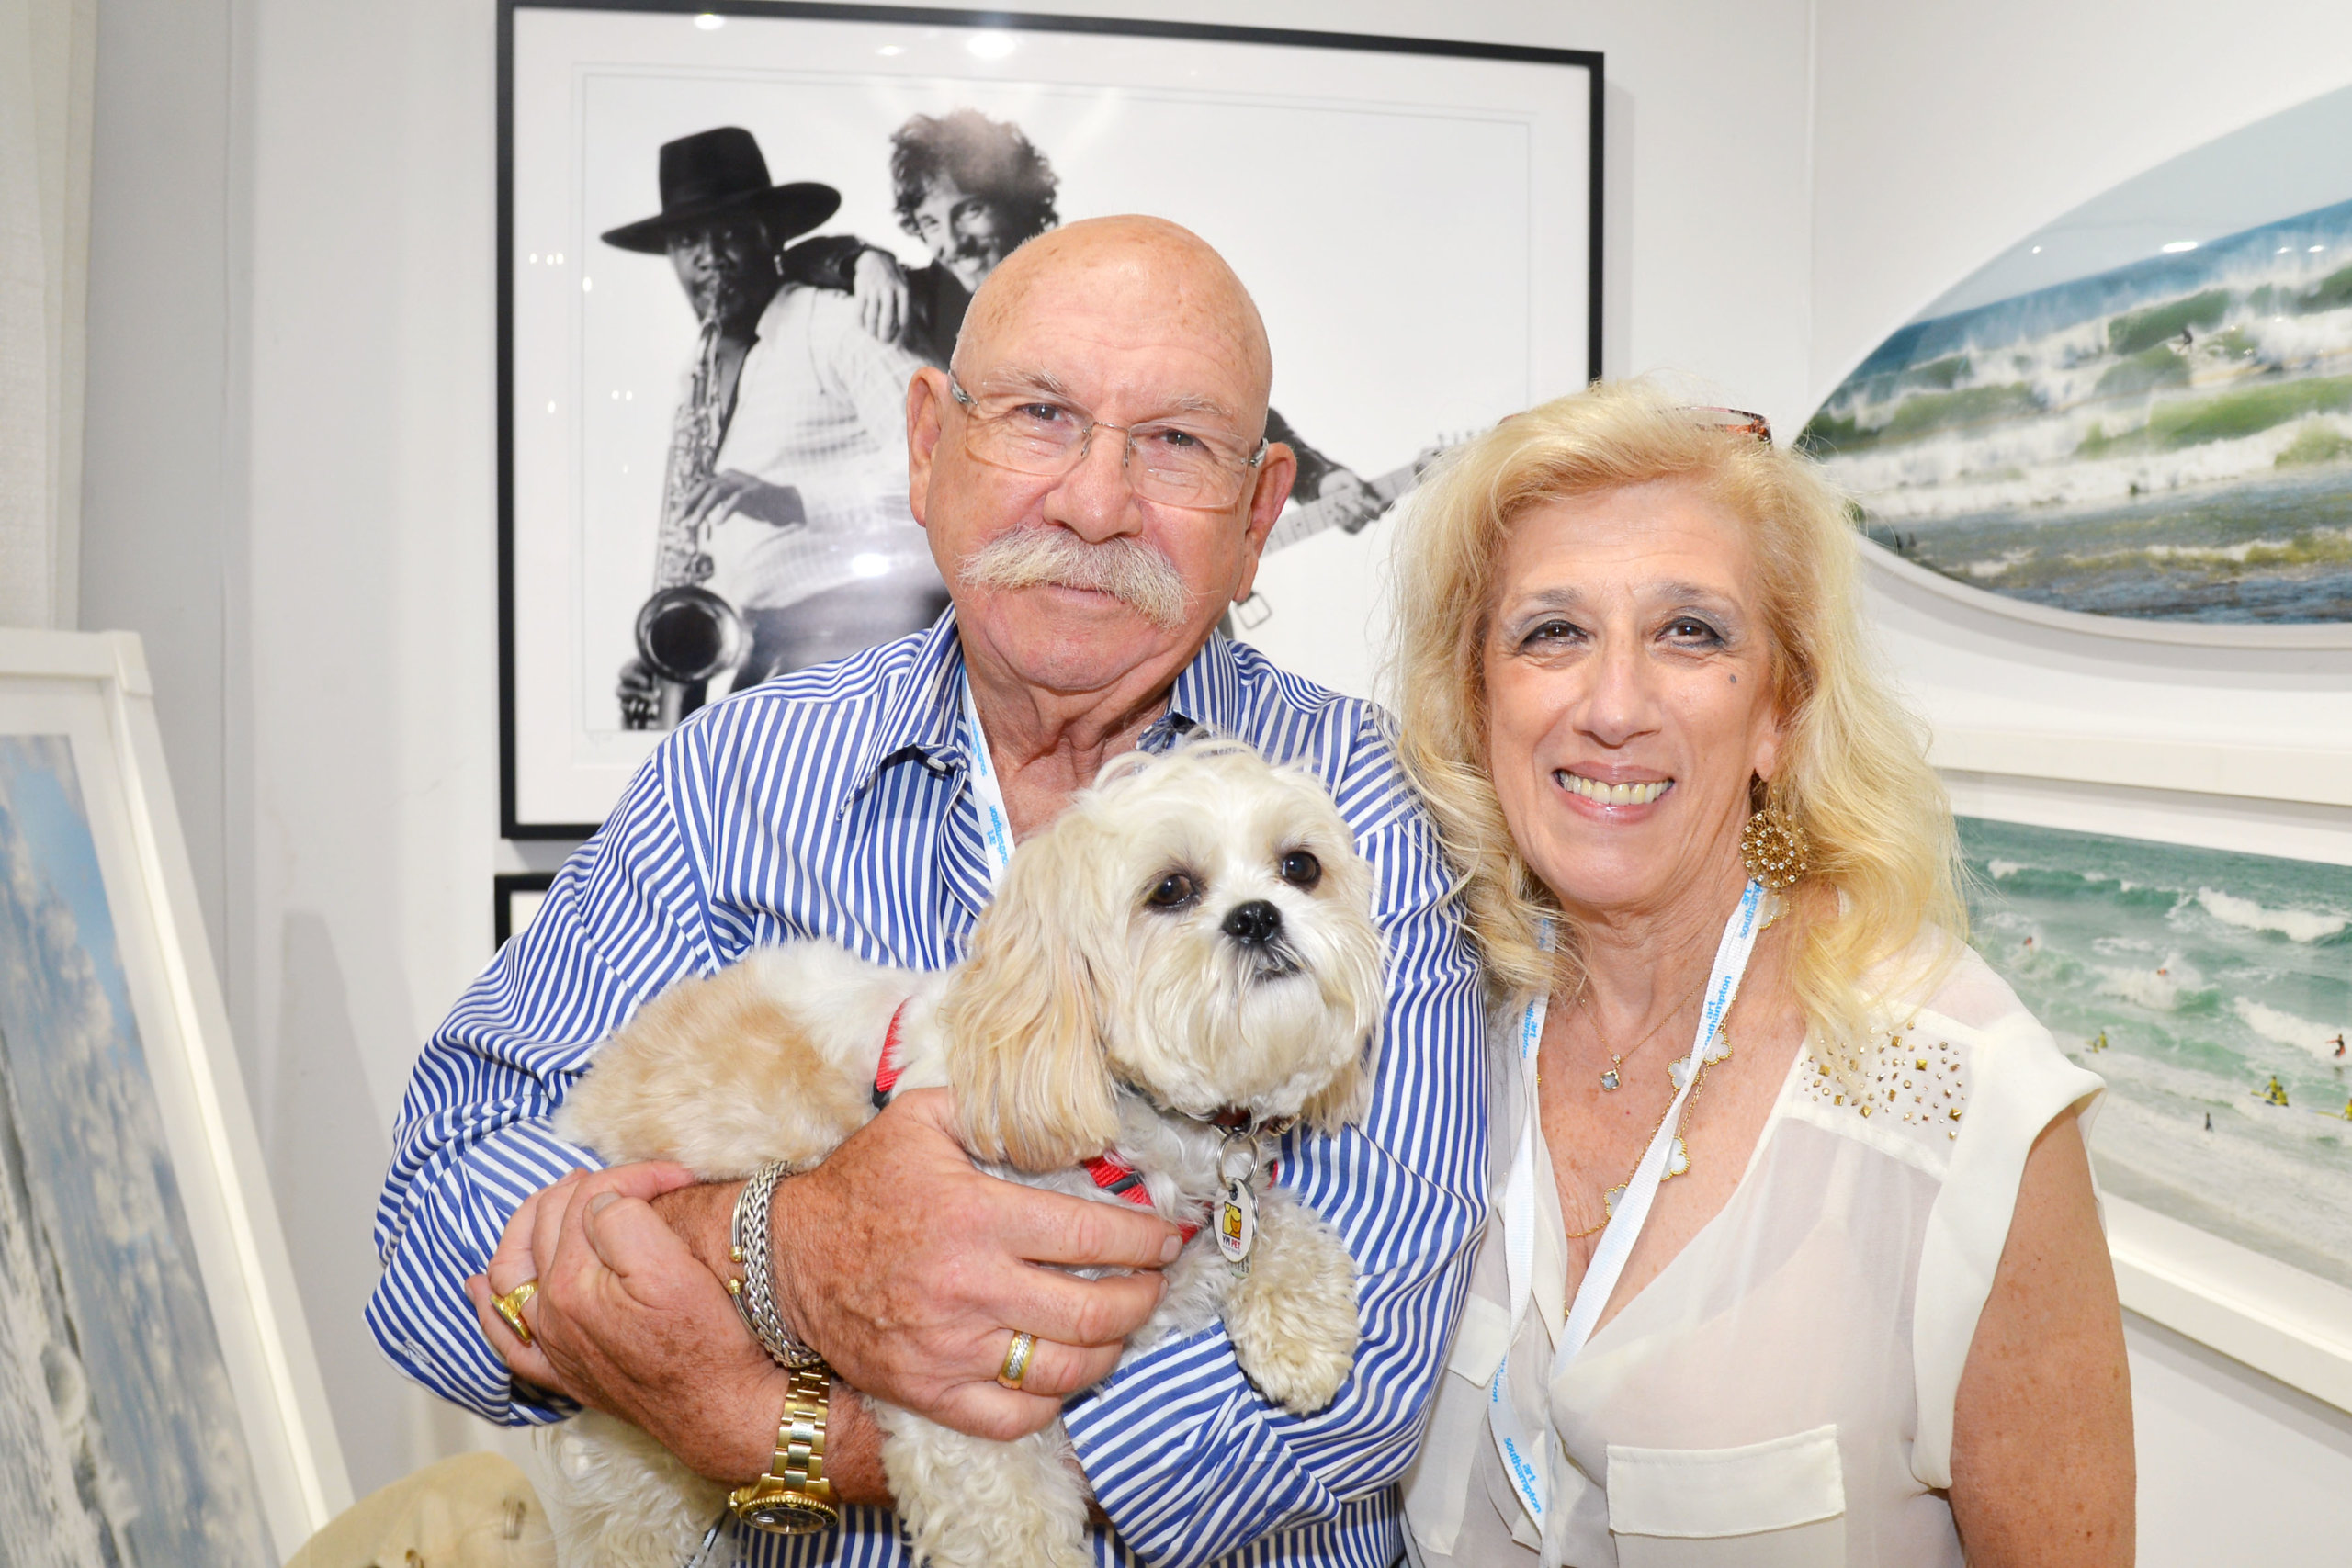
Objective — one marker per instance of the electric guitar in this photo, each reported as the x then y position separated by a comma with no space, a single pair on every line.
1304,521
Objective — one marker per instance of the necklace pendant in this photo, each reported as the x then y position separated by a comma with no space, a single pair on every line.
1609,1079
1609,1199
1677,1161
1676,1071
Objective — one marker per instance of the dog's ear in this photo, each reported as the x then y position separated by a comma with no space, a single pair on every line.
1024,1051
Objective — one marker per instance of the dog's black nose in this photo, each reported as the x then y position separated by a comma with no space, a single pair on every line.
1254,923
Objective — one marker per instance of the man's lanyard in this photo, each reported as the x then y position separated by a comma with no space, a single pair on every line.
987,794
1526,1461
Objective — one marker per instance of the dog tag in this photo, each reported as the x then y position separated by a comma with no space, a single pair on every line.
1236,1222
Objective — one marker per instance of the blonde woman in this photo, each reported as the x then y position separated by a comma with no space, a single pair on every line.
1795,1257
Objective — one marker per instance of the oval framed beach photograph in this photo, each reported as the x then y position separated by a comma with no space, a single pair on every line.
2142,410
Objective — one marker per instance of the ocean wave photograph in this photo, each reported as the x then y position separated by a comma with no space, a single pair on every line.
120,1426
2167,437
2213,992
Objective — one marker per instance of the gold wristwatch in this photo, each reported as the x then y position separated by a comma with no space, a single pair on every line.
794,1497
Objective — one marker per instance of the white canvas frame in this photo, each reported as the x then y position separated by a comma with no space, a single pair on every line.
93,689
2275,1318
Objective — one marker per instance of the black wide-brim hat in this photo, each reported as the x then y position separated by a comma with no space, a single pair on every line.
719,173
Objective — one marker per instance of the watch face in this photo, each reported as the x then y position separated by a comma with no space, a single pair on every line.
789,1515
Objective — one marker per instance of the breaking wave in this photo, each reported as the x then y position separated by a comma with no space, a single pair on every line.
2295,925
2286,1029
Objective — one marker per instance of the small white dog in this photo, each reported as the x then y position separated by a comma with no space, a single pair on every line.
1188,948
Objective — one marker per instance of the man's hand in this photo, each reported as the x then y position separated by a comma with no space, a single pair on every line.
879,286
627,1321
731,492
910,1271
638,696
1356,503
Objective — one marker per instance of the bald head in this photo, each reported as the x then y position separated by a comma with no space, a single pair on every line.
1158,279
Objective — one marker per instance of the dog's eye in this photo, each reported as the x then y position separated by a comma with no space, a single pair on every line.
1173,891
1300,869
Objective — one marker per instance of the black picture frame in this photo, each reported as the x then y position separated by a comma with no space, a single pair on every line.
519,820
504,887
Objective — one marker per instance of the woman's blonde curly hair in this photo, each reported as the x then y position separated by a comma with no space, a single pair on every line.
1853,765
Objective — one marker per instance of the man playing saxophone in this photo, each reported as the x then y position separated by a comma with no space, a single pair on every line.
785,538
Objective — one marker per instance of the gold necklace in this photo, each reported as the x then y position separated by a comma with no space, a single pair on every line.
1677,1158
1609,1076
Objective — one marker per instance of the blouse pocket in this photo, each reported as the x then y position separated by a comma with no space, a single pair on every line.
1773,1505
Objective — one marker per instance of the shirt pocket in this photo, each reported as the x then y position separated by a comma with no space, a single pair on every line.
1772,1505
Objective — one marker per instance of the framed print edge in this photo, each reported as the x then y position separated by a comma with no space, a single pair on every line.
544,789
2314,776
2269,1315
246,1273
504,886
1877,558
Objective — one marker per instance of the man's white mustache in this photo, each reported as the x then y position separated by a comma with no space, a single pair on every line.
1129,570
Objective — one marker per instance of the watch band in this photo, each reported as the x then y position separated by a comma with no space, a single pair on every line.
794,1497
754,1294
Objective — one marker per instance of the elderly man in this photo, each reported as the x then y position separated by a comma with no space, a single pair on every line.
838,803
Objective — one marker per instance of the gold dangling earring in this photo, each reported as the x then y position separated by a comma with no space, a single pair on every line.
1776,850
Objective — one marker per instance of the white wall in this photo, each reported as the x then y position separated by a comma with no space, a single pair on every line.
1942,135
290,469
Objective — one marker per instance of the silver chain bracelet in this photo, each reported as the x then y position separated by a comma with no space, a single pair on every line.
754,1294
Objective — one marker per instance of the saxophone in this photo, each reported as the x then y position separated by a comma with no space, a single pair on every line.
686,635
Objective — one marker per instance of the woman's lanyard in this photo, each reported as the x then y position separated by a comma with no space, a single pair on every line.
1526,1461
987,794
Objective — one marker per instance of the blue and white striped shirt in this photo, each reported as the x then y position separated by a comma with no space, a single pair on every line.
830,802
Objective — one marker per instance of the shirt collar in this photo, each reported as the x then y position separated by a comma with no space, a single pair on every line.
924,718
1207,695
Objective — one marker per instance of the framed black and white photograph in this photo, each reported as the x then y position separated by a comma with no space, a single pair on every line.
730,233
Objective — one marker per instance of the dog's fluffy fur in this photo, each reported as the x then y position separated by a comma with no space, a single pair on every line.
1103,1006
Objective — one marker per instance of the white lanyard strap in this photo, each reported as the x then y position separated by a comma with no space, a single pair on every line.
987,794
1525,1461
1518,1192
1632,1210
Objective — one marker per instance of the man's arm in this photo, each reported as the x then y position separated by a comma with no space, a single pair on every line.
1188,1460
647,1338
473,1142
872,375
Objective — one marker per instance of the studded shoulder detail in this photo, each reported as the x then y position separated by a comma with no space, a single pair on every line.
1911,1074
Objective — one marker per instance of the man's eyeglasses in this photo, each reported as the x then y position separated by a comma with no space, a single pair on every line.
1032,432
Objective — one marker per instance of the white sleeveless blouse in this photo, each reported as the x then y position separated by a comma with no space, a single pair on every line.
1780,1395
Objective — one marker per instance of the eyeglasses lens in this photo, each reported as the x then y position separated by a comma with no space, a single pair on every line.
1164,463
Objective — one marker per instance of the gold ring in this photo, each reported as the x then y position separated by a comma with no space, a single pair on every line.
510,1307
1016,1360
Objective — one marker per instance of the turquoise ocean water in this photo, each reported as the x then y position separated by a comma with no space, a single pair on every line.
2209,973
